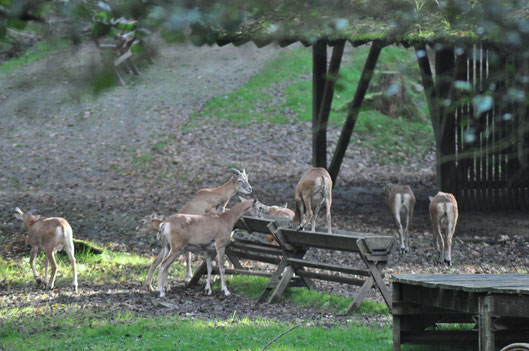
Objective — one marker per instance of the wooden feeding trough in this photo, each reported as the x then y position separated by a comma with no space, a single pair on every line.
373,249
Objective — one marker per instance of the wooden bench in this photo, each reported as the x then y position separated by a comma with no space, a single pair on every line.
253,249
373,249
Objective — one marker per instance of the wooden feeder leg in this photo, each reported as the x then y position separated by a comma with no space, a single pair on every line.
354,110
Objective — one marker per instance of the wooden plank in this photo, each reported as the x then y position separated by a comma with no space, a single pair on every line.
344,241
258,243
330,278
200,271
255,247
260,225
362,293
253,257
504,283
441,337
255,273
514,305
274,279
282,285
330,267
375,273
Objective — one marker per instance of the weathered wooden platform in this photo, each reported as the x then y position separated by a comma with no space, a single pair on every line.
497,305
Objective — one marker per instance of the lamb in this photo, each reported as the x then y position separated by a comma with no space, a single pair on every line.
205,201
50,235
181,230
260,210
401,201
312,190
444,214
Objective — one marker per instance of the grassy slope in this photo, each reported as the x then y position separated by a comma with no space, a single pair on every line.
282,93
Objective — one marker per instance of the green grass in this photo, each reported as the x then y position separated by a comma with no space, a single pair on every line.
37,52
120,267
91,330
108,267
255,100
282,93
57,326
252,287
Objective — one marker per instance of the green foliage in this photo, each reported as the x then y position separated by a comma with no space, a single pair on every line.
77,329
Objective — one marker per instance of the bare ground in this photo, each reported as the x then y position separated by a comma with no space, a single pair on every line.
104,162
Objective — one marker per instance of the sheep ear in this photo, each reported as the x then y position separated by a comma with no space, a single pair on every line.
431,198
243,171
242,199
18,210
285,205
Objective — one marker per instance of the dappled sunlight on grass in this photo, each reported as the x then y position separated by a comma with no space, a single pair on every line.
91,268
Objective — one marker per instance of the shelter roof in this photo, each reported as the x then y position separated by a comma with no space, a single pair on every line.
393,21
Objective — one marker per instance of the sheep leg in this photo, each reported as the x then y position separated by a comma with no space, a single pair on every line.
68,245
220,260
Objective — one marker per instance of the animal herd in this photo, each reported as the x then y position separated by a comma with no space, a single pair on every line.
204,225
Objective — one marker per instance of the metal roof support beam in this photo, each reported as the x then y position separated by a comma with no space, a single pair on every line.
354,109
322,107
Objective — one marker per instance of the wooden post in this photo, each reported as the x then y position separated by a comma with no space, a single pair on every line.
395,295
486,336
319,70
446,172
429,86
320,136
354,110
